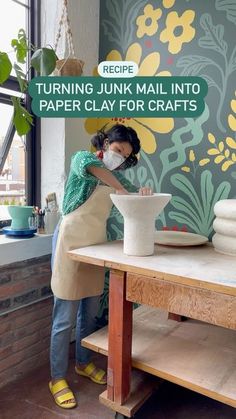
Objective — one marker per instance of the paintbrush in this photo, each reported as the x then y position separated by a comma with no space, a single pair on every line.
51,202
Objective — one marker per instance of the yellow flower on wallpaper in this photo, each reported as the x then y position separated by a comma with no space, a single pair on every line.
191,155
147,23
145,127
192,159
203,162
168,3
231,142
232,122
185,169
176,24
220,153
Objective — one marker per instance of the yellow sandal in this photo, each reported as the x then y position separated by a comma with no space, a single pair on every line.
88,371
60,400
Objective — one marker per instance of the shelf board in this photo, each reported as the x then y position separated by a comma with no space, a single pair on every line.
193,354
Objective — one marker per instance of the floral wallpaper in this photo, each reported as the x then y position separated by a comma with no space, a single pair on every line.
193,159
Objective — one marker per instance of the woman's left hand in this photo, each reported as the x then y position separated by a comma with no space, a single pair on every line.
145,191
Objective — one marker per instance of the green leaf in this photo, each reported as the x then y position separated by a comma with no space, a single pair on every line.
183,206
22,119
183,219
183,184
44,61
130,18
114,10
193,64
210,81
5,67
142,176
175,156
228,6
20,77
129,174
20,46
213,38
150,184
207,190
198,215
120,24
111,31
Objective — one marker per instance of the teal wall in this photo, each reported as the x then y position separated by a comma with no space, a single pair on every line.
193,159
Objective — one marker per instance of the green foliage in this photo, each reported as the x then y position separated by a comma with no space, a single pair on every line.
229,7
44,61
193,64
170,158
120,26
175,156
194,211
20,77
22,119
213,40
20,46
5,67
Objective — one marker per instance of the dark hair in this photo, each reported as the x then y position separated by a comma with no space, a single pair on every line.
119,133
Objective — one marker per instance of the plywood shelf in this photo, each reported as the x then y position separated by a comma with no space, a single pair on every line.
195,355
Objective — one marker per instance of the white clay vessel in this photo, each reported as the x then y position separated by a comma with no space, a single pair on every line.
225,227
224,244
226,208
224,241
139,214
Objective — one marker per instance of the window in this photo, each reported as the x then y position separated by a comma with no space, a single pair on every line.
19,156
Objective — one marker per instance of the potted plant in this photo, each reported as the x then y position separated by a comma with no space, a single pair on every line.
69,66
43,61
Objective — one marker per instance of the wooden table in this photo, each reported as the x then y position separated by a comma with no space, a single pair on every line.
195,282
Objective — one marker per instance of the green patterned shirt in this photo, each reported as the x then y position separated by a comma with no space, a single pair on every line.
80,183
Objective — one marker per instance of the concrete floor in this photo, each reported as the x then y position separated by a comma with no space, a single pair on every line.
29,398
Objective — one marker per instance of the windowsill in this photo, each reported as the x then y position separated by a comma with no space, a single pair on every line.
16,250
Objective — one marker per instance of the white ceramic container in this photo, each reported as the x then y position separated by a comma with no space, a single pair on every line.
224,244
225,227
224,241
139,214
226,208
51,219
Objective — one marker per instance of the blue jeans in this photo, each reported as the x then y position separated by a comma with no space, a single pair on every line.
66,314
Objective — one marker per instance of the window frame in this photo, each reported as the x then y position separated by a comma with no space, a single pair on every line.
33,138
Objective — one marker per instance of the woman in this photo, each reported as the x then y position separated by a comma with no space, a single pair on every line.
77,286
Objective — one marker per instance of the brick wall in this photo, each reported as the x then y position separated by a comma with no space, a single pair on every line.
25,317
24,282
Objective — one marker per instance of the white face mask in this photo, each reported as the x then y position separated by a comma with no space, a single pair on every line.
112,160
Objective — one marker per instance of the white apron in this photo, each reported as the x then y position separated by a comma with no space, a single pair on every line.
84,226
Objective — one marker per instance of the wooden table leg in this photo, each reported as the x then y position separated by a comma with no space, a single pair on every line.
119,339
176,317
